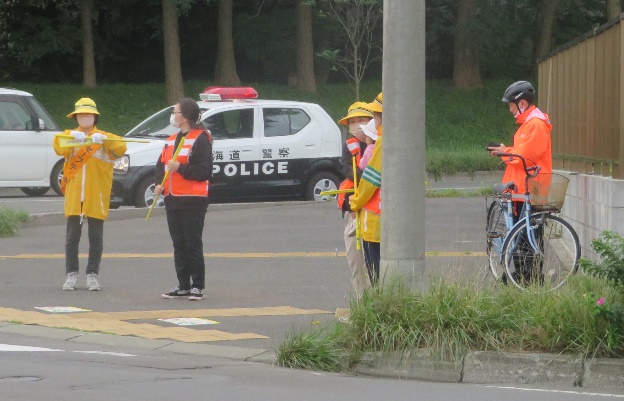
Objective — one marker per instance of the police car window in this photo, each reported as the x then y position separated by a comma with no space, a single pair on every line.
231,124
284,121
13,117
155,127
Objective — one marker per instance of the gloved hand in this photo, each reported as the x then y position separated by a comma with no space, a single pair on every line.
78,135
98,137
353,144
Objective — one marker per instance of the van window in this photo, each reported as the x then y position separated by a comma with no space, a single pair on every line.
231,124
284,121
13,117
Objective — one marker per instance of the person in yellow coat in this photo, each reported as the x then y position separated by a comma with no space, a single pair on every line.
86,184
367,199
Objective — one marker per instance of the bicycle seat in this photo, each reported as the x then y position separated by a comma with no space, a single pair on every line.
503,186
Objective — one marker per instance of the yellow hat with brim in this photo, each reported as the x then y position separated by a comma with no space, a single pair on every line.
357,109
376,105
84,106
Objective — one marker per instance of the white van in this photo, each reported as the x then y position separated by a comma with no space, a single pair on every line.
27,159
262,149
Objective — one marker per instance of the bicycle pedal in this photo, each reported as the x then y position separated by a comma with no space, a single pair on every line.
493,234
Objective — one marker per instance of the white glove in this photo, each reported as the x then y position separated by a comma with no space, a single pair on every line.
78,135
98,138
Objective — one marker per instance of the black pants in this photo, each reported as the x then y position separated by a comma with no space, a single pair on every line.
372,256
186,227
72,241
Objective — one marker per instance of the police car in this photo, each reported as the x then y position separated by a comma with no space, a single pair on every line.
262,149
27,159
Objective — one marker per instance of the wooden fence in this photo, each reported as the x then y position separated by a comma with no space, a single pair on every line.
580,88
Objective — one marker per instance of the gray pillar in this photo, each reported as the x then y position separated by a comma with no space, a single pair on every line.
403,168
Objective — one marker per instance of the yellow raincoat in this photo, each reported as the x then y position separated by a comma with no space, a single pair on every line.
367,198
88,193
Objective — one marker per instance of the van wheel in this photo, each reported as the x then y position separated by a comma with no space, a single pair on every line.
35,191
145,194
321,181
55,178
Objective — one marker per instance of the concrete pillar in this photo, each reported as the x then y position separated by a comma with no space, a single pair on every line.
403,168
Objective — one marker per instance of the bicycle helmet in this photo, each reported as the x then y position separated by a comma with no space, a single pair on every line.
518,91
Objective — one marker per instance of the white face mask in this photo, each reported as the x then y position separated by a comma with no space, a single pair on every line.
173,122
85,120
354,129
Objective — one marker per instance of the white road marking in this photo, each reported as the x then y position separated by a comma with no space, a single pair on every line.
104,353
22,348
560,391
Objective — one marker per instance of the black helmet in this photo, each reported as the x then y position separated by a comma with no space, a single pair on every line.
518,91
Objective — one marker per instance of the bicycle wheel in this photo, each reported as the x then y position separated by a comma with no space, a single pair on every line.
495,231
558,257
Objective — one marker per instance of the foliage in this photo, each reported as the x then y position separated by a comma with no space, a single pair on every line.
315,351
452,318
609,246
10,220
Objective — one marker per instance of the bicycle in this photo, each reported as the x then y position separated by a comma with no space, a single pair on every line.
537,247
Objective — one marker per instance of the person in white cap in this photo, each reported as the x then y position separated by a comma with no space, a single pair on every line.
86,183
370,130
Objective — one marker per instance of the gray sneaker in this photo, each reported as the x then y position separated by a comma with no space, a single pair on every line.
92,282
70,282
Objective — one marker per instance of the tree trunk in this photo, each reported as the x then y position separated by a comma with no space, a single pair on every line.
225,70
545,24
174,86
321,65
306,80
614,9
466,55
88,55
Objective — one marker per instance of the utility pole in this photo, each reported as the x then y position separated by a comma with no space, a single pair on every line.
403,162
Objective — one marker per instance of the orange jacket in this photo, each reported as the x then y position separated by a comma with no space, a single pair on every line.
176,184
531,141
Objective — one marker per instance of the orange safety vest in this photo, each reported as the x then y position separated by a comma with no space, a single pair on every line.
353,144
177,185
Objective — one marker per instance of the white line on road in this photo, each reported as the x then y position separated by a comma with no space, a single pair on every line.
560,391
22,348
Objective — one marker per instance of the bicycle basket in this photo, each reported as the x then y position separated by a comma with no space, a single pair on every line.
548,192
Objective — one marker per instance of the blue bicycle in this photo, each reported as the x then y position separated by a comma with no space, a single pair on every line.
527,243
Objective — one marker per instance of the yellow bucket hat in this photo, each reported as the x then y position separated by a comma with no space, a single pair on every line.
376,105
84,106
357,109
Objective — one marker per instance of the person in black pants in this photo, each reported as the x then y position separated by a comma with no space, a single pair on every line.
184,168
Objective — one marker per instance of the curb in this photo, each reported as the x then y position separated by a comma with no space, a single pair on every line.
479,367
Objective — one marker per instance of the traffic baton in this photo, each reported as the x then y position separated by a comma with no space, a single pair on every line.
357,213
68,141
175,156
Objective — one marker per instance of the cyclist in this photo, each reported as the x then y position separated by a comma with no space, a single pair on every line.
531,141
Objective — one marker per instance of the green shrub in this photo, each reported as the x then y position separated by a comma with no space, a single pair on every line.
313,351
10,220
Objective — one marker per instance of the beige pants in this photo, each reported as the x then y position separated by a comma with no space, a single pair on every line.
355,258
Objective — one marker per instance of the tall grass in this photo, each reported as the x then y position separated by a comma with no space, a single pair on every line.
10,220
451,319
458,122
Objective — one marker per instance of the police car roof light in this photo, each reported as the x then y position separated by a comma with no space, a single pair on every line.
228,93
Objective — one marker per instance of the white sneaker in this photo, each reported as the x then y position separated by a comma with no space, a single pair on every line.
70,282
92,282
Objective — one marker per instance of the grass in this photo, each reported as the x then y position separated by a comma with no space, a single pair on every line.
10,220
452,318
458,122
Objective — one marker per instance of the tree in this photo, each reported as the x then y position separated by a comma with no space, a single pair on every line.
305,79
543,38
614,9
359,20
466,53
225,70
174,87
88,55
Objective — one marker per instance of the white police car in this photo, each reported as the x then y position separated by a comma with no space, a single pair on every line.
262,149
27,159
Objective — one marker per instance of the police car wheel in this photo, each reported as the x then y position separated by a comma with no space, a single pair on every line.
144,196
321,181
35,191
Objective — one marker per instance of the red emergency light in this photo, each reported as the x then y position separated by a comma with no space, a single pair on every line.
228,93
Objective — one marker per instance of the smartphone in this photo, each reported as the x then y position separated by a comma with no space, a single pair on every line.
492,145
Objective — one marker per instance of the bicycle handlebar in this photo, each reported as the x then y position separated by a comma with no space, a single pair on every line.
530,172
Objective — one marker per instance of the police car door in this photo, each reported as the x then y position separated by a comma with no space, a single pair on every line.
291,140
235,148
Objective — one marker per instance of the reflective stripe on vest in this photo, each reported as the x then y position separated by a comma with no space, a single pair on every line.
177,185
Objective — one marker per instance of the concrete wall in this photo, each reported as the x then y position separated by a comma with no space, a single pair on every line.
593,204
